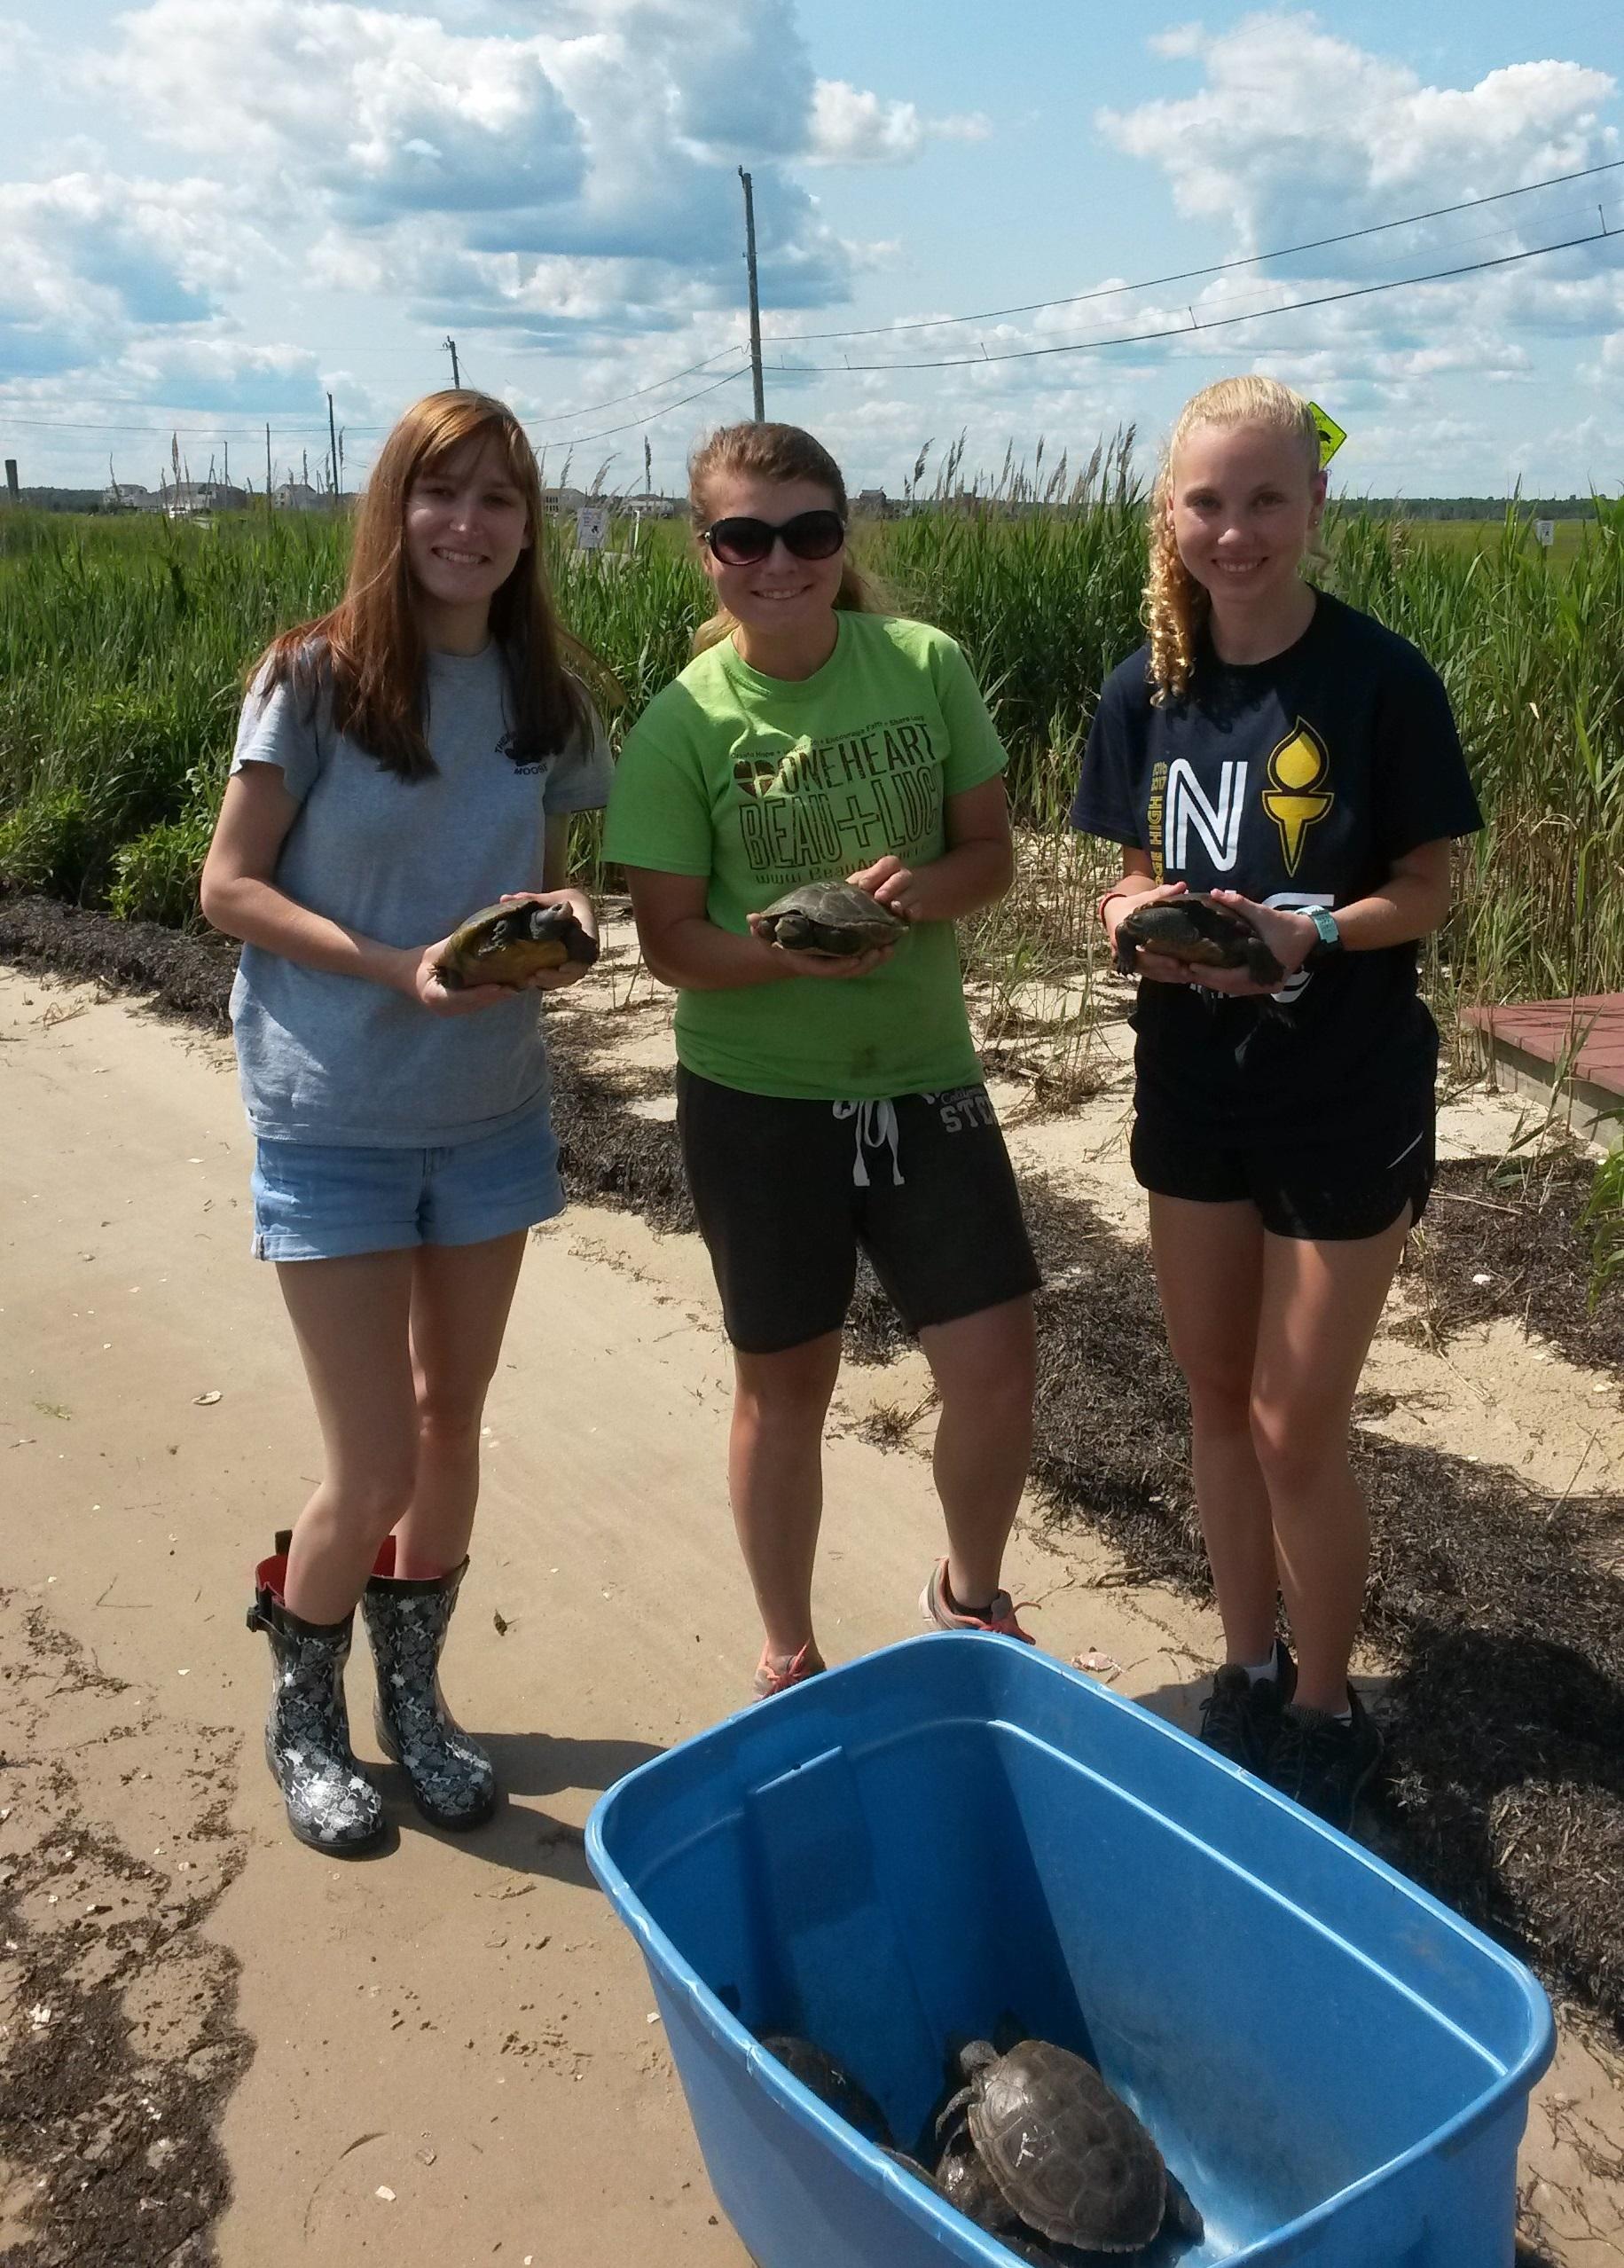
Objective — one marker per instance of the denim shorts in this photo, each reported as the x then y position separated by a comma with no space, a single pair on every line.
319,1201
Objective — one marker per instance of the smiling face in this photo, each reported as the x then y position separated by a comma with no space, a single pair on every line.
782,599
1245,503
465,526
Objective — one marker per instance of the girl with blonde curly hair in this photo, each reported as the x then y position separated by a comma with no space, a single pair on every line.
1277,749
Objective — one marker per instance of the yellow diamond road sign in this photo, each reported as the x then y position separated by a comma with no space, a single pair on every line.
1331,436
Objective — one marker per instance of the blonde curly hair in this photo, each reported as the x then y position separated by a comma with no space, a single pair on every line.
1176,605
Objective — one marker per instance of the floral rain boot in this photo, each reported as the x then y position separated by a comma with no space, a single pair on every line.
451,1777
330,1803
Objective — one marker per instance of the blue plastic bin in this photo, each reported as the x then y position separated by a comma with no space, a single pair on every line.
959,1828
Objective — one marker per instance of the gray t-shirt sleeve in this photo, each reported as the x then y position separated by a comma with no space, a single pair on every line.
581,777
278,727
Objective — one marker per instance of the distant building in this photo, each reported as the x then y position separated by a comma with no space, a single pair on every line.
299,496
871,504
563,503
130,496
192,499
649,507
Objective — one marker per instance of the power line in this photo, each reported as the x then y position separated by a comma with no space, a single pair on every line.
1186,330
220,432
1192,275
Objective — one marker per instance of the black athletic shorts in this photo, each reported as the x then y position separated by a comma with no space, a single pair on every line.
1327,1192
787,1190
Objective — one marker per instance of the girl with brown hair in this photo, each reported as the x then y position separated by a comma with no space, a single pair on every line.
1276,747
829,1103
408,757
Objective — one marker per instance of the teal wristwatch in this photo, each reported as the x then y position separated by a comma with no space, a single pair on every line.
1329,940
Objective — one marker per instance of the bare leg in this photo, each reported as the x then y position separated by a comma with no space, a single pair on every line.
775,1479
1321,1304
983,1367
460,1298
350,1318
1209,1269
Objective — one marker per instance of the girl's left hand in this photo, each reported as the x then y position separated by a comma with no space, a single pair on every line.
568,972
897,888
1288,936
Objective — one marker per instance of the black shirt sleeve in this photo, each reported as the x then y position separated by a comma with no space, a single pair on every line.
1110,801
1422,790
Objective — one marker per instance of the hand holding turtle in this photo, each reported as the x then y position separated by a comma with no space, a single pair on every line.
421,981
829,929
1140,960
892,885
1289,936
573,901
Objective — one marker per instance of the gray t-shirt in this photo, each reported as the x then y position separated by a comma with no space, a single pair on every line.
340,1060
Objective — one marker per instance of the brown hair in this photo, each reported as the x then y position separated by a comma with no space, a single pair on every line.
1176,605
773,452
369,650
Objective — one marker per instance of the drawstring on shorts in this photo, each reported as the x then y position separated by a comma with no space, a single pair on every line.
876,1128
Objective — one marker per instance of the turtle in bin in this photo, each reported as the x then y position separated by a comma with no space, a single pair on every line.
1067,2157
833,917
819,2074
510,944
1196,928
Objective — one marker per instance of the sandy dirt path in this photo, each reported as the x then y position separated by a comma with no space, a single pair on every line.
443,2055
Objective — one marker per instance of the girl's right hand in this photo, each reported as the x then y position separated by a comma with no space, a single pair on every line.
1156,966
420,982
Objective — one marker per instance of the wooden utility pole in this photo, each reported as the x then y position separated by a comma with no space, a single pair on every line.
450,344
749,261
268,503
333,437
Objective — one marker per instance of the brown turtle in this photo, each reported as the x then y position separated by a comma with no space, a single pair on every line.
822,2076
834,917
1068,2157
507,945
1196,928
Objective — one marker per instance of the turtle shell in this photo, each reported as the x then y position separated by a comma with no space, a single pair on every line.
1069,2155
1196,928
829,917
507,945
821,2075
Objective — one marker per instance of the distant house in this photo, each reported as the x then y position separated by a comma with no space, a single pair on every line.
563,503
130,496
649,507
871,504
299,496
192,499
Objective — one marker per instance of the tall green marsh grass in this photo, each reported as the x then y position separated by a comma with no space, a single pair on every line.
124,643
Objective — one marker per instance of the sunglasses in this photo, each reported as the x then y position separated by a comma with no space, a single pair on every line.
746,543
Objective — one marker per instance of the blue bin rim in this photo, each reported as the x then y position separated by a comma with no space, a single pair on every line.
740,2043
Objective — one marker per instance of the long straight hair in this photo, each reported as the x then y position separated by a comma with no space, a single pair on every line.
368,651
1176,605
773,452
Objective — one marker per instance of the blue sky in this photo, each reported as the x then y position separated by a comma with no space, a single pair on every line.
216,211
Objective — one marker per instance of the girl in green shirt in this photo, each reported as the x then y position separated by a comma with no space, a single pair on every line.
830,1104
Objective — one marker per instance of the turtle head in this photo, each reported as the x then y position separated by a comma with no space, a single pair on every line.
977,2055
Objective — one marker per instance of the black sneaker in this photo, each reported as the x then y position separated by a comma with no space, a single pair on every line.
1239,1719
1322,1763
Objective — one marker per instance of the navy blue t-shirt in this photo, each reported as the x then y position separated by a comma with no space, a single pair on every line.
1298,781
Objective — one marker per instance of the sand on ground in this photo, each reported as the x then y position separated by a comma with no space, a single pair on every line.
446,2055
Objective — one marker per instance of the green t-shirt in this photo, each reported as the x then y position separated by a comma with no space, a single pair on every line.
759,784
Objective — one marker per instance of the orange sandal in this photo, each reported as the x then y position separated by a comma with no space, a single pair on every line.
936,1604
769,1680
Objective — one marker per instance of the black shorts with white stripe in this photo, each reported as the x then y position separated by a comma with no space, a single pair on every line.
1322,1192
788,1191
